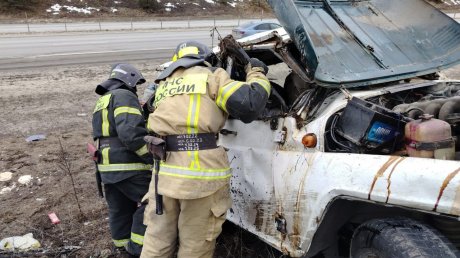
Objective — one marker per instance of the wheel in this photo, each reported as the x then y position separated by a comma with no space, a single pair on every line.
399,238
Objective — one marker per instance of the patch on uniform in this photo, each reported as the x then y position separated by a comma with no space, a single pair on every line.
102,102
188,84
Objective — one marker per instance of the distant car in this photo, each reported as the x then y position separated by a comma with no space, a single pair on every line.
253,27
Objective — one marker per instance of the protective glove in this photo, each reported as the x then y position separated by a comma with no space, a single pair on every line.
257,63
156,146
148,100
148,92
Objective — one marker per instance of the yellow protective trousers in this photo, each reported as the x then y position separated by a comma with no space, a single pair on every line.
194,224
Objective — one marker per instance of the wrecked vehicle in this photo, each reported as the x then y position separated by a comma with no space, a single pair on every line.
357,152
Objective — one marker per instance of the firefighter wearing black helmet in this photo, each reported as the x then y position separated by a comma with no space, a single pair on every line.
124,162
192,103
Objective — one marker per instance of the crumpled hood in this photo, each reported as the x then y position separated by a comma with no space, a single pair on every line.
357,43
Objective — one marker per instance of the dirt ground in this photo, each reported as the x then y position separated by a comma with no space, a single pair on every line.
58,103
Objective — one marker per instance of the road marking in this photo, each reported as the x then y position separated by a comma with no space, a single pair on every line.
98,52
77,43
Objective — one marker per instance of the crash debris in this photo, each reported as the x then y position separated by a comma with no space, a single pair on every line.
7,189
36,137
6,176
24,243
25,180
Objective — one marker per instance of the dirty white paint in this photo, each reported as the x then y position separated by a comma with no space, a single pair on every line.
271,179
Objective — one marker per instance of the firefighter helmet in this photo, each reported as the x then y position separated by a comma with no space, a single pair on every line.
187,54
191,49
121,75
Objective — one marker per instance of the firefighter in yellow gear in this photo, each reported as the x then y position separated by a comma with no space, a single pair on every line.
124,162
192,103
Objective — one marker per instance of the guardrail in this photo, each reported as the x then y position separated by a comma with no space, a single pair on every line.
64,26
126,25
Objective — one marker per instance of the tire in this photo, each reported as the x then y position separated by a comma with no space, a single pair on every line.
399,238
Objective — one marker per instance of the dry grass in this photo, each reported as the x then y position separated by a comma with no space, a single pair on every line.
132,9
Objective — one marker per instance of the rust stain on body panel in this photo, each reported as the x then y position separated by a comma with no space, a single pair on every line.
444,185
389,179
380,172
296,227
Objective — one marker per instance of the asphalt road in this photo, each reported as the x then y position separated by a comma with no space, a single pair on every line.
48,50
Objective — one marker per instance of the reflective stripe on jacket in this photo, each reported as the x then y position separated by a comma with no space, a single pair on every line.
198,100
118,114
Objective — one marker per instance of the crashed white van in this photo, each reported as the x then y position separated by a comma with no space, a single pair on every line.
355,155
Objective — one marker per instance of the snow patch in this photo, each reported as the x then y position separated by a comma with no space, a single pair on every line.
170,5
7,189
25,180
56,8
232,4
210,1
6,176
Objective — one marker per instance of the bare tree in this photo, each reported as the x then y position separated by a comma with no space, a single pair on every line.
65,165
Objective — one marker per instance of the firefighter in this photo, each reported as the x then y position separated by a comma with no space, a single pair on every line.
124,162
192,102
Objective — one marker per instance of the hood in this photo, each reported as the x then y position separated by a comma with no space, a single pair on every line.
354,43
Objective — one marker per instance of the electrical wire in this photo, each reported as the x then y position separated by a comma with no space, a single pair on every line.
332,132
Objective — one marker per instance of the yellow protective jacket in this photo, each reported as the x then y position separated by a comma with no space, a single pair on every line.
199,100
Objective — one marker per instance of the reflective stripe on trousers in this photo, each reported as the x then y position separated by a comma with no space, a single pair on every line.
120,242
136,238
123,167
201,174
